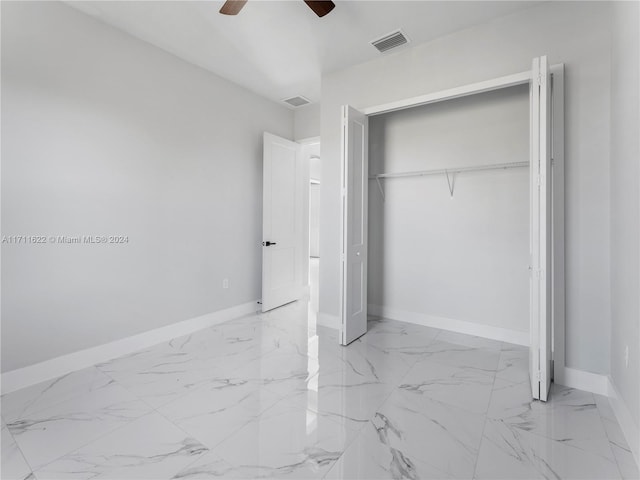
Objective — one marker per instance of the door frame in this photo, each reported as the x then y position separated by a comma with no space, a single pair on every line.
556,222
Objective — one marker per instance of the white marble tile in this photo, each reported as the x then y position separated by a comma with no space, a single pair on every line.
274,395
513,364
281,372
479,359
29,400
231,343
617,441
162,373
377,453
399,337
626,463
350,401
150,447
214,412
511,453
13,466
208,466
469,340
509,399
360,361
285,442
418,429
569,415
464,388
66,426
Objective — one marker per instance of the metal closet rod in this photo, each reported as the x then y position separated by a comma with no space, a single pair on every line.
440,171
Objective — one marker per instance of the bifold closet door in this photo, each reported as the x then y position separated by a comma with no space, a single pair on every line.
540,268
355,177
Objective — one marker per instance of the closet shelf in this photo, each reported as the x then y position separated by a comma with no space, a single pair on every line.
449,172
440,171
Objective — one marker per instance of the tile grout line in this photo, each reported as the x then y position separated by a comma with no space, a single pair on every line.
606,432
386,399
20,451
486,416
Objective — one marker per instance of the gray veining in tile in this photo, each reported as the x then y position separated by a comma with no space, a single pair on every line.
274,395
13,466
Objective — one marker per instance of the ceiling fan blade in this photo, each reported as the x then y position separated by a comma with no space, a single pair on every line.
320,7
232,7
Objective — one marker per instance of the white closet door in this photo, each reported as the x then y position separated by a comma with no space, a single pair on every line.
355,173
540,281
282,222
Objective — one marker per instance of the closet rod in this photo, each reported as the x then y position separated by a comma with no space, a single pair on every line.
496,166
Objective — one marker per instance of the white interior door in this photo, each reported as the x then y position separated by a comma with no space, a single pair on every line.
283,232
355,173
541,326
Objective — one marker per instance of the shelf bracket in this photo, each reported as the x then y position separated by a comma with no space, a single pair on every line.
451,181
380,187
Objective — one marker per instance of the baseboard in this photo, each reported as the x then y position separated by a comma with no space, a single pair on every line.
629,427
327,320
582,380
459,326
56,367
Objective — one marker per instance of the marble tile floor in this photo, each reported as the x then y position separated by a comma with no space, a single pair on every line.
274,396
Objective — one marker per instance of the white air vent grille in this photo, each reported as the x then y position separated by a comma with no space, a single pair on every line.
296,101
392,40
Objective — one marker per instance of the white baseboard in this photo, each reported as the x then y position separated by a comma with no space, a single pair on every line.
56,367
327,320
629,427
582,380
459,326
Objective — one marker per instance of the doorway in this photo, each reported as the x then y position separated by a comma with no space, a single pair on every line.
312,153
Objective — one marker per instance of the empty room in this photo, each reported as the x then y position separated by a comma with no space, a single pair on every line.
320,239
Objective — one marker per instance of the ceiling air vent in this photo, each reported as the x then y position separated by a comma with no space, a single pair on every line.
389,41
297,101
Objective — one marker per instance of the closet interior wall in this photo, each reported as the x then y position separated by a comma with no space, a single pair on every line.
463,256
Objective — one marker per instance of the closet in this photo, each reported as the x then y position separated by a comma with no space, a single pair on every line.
456,200
448,222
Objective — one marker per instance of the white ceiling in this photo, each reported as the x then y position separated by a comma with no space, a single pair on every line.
280,49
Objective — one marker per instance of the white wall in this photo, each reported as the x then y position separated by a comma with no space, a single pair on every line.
307,121
625,203
576,33
463,257
104,134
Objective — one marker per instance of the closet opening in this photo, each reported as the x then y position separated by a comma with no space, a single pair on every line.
456,198
448,214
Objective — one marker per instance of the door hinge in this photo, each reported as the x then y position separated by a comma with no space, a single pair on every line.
538,376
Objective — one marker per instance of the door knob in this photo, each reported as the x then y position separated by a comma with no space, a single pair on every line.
268,244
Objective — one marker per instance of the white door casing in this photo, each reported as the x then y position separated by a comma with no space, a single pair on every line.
355,206
540,353
283,231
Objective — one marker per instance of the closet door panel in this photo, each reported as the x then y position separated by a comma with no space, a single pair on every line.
541,327
355,173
